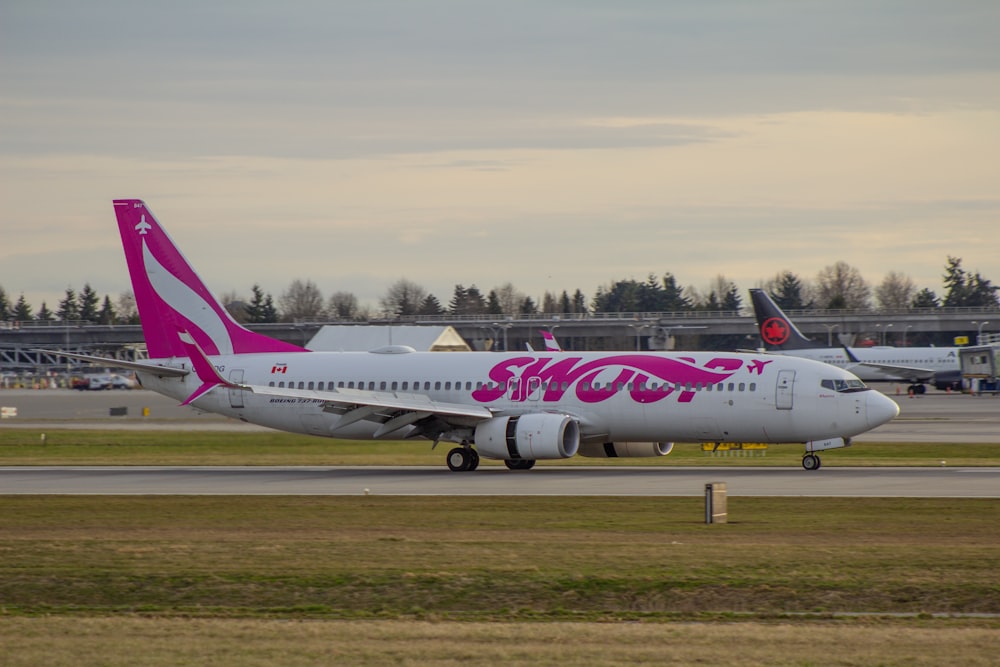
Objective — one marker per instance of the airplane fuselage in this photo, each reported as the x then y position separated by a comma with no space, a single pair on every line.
693,396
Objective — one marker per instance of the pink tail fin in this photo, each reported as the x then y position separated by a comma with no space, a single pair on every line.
551,344
171,298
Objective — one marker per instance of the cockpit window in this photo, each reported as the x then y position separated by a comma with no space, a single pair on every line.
844,386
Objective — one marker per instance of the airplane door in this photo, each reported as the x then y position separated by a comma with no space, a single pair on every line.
534,388
236,395
783,397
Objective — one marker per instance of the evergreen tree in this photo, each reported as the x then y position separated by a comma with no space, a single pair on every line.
493,306
955,283
579,302
107,314
528,307
5,310
457,303
430,306
44,314
674,299
22,310
965,289
88,301
926,298
788,292
269,312
565,305
256,304
475,303
68,307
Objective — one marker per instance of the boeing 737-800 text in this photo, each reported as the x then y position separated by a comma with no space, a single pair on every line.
518,407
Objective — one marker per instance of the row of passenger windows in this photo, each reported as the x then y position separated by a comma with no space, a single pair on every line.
447,386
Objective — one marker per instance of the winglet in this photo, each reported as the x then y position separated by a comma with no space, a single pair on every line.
551,344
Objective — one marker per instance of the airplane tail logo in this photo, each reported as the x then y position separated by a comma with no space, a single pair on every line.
171,298
776,330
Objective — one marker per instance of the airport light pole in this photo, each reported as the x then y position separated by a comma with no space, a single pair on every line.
979,331
829,333
638,329
908,327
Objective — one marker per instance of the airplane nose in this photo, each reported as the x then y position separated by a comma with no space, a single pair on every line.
880,408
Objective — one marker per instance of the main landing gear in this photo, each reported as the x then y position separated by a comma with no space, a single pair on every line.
463,459
466,459
811,462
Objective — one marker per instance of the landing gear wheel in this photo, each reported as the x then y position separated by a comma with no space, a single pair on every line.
811,462
473,459
519,464
460,460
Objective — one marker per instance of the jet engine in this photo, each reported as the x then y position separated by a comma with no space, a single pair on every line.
532,437
612,450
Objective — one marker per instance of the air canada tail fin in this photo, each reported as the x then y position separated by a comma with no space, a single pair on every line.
776,330
172,299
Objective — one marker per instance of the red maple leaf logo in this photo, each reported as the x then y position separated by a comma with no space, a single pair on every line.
774,331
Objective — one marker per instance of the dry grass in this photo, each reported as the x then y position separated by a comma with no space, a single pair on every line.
114,641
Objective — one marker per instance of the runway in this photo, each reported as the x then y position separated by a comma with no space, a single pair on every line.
934,417
494,480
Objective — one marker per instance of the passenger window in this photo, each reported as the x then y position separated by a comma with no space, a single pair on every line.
437,386
311,385
753,386
350,385
371,386
743,386
381,386
281,385
302,385
732,386
271,383
447,386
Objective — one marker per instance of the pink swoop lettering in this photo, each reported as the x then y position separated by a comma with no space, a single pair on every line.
598,380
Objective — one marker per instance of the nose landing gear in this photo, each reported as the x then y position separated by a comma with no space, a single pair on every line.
811,462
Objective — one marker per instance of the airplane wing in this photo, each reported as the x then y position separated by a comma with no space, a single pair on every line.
911,373
144,367
393,410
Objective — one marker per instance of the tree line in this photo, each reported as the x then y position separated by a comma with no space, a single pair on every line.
838,286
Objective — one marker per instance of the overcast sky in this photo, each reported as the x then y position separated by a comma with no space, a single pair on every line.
553,144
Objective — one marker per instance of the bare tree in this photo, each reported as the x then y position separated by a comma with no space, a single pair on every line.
402,298
301,301
510,298
840,285
343,306
896,291
127,312
235,305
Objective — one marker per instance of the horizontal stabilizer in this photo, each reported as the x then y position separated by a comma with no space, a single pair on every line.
138,366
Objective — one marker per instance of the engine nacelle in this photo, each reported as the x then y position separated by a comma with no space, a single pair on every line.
612,450
535,436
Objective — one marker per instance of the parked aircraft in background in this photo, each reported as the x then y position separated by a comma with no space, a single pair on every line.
939,366
518,407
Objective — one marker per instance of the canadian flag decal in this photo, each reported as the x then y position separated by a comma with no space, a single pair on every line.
279,368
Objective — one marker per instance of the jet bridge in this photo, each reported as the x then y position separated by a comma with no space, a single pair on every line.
981,365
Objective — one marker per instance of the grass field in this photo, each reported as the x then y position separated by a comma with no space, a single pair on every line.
480,581
111,447
439,580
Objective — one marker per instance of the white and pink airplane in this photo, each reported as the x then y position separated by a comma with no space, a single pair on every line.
518,407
